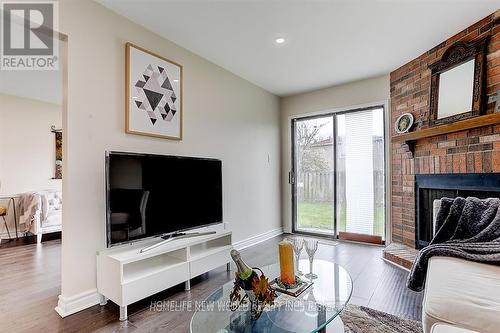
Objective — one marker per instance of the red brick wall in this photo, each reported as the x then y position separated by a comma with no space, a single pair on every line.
471,151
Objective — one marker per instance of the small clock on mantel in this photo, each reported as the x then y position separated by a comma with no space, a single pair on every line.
404,123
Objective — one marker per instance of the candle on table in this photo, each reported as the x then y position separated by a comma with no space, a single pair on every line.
287,267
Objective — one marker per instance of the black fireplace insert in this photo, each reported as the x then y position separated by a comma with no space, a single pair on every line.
436,186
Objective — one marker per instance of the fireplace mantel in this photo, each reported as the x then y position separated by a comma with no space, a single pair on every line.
480,121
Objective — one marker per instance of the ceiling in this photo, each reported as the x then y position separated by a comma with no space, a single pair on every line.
328,42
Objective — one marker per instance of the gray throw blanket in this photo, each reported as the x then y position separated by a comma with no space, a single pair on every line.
466,228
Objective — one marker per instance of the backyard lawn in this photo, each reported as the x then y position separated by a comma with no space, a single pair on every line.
319,215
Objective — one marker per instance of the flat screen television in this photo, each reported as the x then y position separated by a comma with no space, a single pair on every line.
155,195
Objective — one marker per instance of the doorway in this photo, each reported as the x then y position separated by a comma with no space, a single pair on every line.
31,201
338,174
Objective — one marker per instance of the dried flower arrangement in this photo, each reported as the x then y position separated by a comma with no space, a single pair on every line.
260,294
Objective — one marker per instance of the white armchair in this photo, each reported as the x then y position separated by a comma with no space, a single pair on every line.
460,296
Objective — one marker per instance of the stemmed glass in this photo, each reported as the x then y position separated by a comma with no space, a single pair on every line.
311,248
298,245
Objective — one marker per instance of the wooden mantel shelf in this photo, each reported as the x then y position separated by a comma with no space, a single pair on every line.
475,122
480,121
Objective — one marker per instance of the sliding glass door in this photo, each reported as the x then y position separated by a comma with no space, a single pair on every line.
360,172
338,173
314,175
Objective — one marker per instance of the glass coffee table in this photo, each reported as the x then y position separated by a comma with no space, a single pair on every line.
318,306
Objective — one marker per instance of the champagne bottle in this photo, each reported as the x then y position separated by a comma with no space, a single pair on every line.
245,272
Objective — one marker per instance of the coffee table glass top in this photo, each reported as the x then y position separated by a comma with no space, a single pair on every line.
311,311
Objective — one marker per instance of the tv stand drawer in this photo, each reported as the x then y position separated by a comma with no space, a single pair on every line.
213,260
149,285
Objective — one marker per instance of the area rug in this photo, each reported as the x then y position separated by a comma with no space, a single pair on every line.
360,319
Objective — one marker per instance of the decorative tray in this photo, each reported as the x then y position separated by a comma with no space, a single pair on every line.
292,290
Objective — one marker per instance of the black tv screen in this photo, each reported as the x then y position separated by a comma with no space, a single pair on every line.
152,195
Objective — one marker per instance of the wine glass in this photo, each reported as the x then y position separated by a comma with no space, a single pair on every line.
298,245
311,248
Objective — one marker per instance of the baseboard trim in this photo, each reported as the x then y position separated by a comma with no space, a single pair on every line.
69,305
257,239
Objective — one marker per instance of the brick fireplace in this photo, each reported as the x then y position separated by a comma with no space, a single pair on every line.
474,150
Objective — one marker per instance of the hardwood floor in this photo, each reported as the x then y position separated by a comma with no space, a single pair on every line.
30,282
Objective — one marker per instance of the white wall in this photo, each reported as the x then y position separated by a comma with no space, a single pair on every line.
27,146
225,117
342,97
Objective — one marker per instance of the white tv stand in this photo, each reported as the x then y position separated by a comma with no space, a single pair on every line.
125,275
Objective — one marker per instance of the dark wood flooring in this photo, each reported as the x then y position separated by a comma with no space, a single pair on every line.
30,283
25,240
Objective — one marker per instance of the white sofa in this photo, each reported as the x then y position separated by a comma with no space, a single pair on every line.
461,296
443,328
51,220
41,212
462,293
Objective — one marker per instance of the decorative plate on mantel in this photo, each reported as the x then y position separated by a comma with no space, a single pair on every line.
403,123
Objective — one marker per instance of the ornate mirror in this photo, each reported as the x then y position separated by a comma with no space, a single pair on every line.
457,82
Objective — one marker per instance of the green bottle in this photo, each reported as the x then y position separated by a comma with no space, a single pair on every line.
245,272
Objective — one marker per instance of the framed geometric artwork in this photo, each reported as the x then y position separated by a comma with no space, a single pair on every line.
153,92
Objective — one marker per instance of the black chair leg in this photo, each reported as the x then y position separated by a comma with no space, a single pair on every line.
15,216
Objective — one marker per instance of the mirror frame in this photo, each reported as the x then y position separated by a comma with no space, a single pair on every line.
457,54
